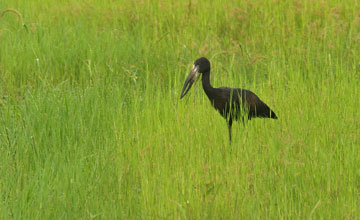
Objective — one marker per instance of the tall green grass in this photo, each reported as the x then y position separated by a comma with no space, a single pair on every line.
91,123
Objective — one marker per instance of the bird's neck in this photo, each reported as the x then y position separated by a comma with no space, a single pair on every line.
206,84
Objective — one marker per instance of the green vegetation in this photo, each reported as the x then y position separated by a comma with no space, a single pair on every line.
91,125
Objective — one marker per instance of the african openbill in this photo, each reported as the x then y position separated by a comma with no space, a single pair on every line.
232,103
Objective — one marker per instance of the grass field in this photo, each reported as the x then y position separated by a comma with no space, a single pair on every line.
92,127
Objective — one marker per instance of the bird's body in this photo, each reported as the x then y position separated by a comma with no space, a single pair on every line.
232,103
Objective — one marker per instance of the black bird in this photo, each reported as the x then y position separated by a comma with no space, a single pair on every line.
232,103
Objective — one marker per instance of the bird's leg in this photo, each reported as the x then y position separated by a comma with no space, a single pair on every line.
244,123
229,126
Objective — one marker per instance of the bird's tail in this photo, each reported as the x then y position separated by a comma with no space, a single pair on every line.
273,115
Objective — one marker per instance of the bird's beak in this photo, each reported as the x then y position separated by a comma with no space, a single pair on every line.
194,73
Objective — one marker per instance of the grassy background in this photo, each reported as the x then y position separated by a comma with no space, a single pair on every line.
91,125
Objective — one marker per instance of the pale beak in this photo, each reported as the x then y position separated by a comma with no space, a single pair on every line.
194,73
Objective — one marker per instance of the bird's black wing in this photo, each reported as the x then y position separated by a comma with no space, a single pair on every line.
257,108
237,103
230,102
244,102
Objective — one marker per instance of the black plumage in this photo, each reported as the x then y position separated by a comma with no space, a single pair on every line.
232,103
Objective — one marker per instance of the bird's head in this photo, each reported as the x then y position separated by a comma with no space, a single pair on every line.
201,65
